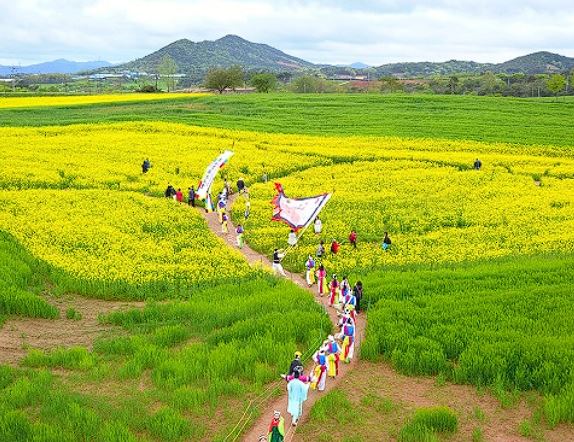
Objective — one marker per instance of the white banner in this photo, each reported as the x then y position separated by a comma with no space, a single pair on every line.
298,213
211,173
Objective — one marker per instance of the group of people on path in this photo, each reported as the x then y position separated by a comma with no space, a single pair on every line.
222,200
326,363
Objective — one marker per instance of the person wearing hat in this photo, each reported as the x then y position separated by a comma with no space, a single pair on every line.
276,428
296,364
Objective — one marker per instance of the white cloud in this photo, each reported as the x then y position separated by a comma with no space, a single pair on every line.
322,31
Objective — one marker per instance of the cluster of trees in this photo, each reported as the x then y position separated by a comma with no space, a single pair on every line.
515,85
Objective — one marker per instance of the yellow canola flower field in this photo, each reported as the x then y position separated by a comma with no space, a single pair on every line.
110,156
73,100
434,212
424,192
106,237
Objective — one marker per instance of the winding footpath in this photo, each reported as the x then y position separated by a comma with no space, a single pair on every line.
280,403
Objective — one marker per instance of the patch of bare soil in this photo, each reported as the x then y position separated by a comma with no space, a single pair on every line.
19,334
474,409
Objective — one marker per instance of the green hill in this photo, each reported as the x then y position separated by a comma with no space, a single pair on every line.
196,58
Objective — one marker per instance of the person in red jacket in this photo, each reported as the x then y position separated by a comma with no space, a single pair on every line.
335,246
179,195
353,238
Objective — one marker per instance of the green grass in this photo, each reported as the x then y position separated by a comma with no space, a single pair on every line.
21,280
494,119
504,324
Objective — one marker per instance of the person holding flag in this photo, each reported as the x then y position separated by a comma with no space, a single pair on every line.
277,257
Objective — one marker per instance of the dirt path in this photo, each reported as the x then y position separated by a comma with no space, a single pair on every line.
17,335
280,403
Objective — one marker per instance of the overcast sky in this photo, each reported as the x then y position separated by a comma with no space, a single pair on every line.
320,31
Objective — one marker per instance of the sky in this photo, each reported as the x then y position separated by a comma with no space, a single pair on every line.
320,31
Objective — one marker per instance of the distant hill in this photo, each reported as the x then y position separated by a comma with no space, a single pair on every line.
59,66
192,57
536,63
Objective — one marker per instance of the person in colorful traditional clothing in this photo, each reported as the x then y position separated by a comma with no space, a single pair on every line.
240,240
353,238
317,226
220,208
297,394
321,280
358,292
277,267
335,246
179,196
224,223
310,271
348,336
276,428
320,370
345,286
333,351
334,290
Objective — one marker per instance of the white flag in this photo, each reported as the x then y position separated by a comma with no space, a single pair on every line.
211,173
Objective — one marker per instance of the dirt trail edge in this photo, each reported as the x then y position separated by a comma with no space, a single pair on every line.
261,424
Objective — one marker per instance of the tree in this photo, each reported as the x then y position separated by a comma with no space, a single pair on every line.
453,84
556,84
167,69
264,82
307,84
222,78
390,84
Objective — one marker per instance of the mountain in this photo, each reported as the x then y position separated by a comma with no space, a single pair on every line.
197,58
59,66
537,63
359,65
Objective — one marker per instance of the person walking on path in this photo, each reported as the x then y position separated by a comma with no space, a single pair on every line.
240,240
179,196
317,226
247,209
310,271
277,257
240,185
353,238
358,292
170,191
191,196
321,279
224,223
276,428
386,242
334,289
292,239
296,364
477,164
297,394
